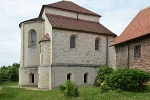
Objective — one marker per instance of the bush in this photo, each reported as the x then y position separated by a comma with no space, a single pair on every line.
104,88
128,79
69,89
101,74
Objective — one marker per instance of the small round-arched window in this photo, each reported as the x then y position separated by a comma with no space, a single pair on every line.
68,76
86,78
96,44
72,41
32,38
31,78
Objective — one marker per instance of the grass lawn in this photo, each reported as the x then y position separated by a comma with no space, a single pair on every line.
9,92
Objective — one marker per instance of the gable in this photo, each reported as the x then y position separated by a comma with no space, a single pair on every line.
69,6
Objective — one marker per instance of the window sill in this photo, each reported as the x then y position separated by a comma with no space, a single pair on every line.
31,46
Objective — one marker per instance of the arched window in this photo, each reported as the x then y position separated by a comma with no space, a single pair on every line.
68,76
86,78
32,38
72,41
31,78
96,44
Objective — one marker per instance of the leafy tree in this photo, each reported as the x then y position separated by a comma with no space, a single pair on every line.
9,72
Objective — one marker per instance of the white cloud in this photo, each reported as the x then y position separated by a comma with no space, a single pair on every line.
116,14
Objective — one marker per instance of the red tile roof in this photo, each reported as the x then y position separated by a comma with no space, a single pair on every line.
69,23
138,27
70,6
45,38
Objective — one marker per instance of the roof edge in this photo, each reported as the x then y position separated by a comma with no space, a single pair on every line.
130,39
86,31
33,19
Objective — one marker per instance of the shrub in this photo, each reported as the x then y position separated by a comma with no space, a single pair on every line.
128,79
69,89
101,74
104,88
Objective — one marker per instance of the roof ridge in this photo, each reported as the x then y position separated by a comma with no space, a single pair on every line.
73,7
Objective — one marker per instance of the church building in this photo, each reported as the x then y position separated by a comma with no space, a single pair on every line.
65,42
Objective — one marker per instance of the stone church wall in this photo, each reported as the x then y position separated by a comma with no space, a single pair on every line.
31,55
59,75
83,53
24,78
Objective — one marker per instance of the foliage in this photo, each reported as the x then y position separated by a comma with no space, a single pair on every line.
9,72
0,78
101,74
104,88
69,89
128,79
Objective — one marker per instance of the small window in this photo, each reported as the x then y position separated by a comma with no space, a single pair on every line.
96,44
31,78
68,76
72,42
33,38
85,77
137,51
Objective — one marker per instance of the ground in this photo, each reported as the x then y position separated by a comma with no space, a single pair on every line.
10,91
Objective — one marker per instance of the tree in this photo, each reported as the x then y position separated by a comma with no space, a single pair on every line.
9,72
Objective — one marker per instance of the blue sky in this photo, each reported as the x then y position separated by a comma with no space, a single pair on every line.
116,15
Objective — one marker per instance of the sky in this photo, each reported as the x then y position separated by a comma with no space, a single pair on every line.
116,15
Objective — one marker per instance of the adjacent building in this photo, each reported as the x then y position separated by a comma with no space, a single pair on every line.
133,45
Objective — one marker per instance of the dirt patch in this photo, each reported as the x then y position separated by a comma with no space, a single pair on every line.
29,88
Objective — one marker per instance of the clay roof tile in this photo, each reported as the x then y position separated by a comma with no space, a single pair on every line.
138,27
69,23
45,38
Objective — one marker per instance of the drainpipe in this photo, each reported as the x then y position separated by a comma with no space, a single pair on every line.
106,50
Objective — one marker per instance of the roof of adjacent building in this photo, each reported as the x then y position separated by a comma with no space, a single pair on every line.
69,6
138,27
63,22
45,38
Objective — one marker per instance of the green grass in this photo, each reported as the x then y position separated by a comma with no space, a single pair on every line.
86,93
